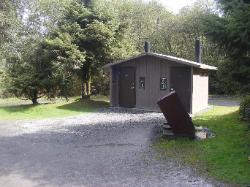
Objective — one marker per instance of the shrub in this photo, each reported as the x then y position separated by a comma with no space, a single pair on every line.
245,108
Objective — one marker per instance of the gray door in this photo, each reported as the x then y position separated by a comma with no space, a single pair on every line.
180,81
127,87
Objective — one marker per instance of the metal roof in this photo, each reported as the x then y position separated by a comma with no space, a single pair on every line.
166,57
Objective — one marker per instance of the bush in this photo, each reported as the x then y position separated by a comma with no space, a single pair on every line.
245,108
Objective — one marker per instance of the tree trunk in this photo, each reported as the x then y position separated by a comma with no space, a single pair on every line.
86,85
84,89
89,87
34,99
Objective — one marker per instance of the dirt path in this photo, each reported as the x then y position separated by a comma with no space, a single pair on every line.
97,149
223,101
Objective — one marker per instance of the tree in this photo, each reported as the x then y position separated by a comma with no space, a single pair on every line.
28,77
8,23
66,59
231,32
6,15
84,41
28,73
141,18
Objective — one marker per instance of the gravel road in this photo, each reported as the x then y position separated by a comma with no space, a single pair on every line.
107,148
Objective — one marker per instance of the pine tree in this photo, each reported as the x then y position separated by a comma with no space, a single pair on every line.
28,75
231,31
84,41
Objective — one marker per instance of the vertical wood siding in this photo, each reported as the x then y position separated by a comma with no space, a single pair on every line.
152,69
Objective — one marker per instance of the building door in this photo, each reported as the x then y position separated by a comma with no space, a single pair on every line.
180,81
127,87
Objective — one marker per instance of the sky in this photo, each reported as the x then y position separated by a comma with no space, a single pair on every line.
175,5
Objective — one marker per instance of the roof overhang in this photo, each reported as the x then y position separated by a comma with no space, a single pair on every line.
165,57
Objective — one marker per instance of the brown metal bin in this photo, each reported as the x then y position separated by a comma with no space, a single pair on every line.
177,117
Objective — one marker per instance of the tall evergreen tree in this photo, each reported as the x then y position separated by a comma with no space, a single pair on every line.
28,75
231,32
91,36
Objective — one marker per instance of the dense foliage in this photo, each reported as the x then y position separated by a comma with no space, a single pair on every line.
49,47
231,32
7,26
168,33
26,75
7,21
83,42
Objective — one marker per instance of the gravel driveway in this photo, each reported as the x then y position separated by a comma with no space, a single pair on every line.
107,148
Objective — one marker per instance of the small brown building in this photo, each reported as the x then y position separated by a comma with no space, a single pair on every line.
140,81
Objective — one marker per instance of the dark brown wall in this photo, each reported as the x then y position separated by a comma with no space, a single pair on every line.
180,78
152,69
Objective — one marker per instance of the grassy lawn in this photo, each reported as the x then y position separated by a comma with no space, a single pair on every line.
224,157
14,109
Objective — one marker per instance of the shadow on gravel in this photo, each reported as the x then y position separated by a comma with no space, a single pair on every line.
76,156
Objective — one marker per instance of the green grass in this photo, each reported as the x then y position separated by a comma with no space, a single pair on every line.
224,157
14,109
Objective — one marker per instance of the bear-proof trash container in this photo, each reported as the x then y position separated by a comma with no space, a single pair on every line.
177,117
